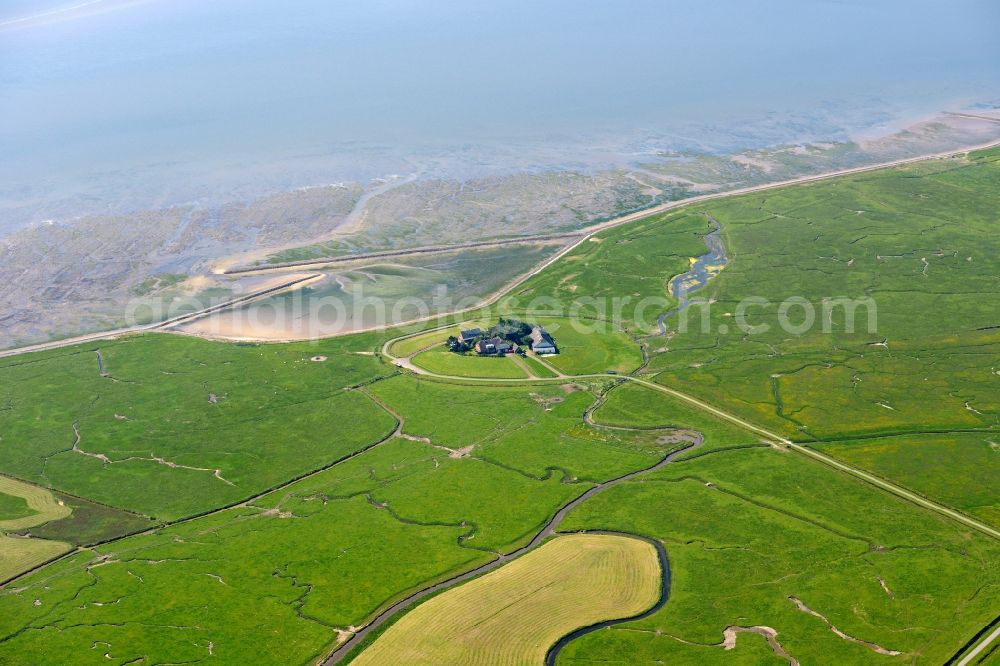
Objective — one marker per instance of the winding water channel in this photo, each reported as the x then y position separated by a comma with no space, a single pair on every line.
692,439
702,270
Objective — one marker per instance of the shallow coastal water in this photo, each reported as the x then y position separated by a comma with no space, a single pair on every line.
141,103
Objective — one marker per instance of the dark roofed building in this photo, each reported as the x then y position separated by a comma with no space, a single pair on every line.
494,347
470,335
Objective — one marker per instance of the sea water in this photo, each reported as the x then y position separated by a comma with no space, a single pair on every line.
116,104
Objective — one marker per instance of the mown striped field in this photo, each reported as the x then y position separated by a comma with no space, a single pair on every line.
44,505
515,613
19,554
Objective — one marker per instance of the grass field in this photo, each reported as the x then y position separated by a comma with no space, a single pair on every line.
24,506
42,505
269,583
18,554
634,261
919,240
512,615
90,523
538,368
13,507
749,530
535,431
257,586
587,347
444,362
915,461
204,423
636,406
757,536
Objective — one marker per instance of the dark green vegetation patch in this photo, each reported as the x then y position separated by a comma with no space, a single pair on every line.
90,523
13,507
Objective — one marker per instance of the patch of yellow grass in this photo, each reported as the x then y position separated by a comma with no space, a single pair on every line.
514,614
415,343
41,501
19,554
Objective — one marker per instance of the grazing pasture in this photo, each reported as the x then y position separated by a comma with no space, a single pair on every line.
512,615
637,406
590,346
245,585
170,426
920,242
304,497
444,362
750,531
916,462
535,431
634,262
911,350
326,552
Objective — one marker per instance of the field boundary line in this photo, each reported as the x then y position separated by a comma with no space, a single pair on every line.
236,504
972,649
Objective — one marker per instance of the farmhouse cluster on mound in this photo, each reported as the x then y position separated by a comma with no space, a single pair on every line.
509,336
